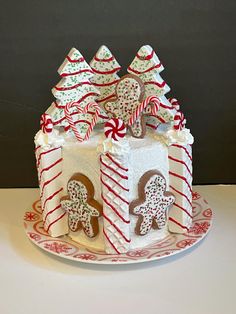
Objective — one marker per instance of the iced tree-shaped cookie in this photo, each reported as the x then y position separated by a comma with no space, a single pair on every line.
127,104
105,68
83,210
75,86
147,66
152,203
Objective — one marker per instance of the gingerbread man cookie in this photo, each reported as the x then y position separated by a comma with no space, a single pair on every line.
83,210
129,96
152,203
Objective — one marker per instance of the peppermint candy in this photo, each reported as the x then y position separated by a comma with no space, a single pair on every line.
179,121
46,124
115,129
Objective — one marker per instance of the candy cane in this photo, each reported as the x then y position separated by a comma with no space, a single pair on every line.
143,105
95,106
82,111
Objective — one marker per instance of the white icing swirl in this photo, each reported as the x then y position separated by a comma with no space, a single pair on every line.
119,148
172,136
47,140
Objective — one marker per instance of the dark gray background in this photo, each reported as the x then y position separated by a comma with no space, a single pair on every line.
195,40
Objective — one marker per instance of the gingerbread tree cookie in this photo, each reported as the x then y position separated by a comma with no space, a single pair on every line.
83,210
152,203
127,104
147,66
75,86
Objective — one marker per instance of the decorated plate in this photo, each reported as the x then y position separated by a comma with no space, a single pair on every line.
170,245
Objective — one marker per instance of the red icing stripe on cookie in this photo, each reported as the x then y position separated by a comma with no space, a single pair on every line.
72,87
148,57
78,72
161,85
75,60
107,72
106,84
150,69
78,101
103,60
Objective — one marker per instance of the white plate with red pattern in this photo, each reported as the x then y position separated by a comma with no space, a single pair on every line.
170,245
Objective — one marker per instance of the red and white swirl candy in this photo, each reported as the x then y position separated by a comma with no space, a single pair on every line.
115,129
143,105
95,114
179,121
46,124
175,104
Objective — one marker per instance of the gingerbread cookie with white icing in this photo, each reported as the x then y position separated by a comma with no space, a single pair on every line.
129,94
152,203
83,210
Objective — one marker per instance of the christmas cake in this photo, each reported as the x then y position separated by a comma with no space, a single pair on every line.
113,155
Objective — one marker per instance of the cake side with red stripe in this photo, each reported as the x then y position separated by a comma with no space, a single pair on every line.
180,170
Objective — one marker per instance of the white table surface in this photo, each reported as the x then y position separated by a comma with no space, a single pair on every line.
201,280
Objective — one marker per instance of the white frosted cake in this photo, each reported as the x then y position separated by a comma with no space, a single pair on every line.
113,155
